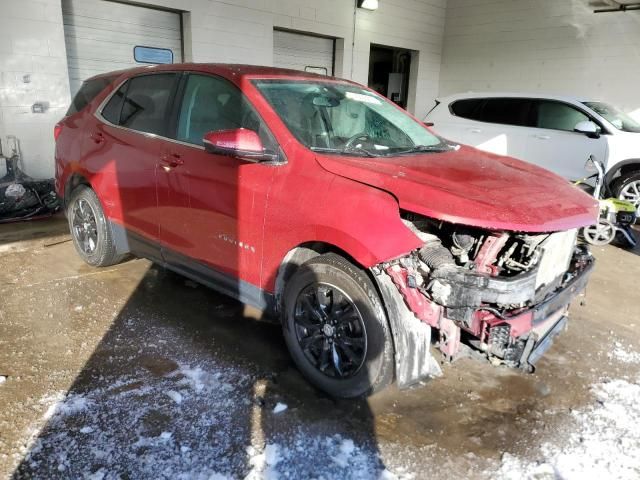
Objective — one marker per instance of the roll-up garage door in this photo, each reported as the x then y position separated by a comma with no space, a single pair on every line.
101,36
303,52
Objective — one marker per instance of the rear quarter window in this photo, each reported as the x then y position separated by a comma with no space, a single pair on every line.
469,108
88,91
142,103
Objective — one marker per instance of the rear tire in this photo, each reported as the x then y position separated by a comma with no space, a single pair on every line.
90,230
336,328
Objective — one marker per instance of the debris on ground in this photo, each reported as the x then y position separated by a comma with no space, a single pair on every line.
22,197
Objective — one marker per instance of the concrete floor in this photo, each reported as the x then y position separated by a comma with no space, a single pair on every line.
132,371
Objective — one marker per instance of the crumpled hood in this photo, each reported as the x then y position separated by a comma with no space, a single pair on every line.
474,188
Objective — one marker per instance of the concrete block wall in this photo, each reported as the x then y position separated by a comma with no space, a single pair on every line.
542,46
33,68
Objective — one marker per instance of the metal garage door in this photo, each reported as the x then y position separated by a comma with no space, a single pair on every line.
303,52
100,36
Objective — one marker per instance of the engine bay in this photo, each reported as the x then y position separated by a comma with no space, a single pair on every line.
502,293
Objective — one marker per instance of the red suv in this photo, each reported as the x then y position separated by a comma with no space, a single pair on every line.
322,202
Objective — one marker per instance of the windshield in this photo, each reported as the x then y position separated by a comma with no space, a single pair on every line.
615,116
345,119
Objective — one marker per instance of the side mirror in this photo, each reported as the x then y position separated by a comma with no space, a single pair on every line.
239,143
590,129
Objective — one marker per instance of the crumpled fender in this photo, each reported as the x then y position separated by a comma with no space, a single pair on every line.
411,337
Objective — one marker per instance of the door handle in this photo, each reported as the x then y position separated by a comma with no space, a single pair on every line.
475,130
171,160
542,137
97,137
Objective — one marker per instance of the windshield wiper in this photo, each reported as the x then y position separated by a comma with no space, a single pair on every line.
349,151
426,148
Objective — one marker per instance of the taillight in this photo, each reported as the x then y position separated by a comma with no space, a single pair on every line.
56,131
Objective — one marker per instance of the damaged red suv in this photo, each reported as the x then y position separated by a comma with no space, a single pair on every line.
322,202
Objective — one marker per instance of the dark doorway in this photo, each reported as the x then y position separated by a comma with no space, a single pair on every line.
389,72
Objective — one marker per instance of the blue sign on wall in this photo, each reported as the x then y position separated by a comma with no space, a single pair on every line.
152,55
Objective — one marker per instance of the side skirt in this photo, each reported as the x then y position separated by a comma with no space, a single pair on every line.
130,242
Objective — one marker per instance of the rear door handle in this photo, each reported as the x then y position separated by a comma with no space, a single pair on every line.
542,137
171,160
475,130
97,137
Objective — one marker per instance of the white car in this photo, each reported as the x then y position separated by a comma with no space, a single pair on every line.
555,132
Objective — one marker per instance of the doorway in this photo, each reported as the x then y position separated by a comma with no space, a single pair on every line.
389,70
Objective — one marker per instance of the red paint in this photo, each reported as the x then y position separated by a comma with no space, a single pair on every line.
237,139
56,130
474,188
243,218
489,252
426,310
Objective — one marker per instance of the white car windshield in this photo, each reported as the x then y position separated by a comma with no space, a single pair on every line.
344,119
615,116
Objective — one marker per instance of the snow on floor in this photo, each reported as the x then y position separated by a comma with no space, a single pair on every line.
602,441
195,418
191,423
625,355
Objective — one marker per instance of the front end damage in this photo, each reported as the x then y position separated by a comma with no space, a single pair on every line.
504,294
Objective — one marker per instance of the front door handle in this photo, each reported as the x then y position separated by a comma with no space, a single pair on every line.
475,130
171,160
542,137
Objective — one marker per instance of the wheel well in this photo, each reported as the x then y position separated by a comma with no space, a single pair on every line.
622,168
299,255
74,181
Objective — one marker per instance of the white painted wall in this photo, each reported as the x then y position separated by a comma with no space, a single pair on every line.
548,46
238,31
32,44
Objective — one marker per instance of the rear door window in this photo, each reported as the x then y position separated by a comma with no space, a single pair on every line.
142,103
88,91
506,111
557,116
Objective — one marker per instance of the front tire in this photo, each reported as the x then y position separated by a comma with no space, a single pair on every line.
336,328
627,187
90,229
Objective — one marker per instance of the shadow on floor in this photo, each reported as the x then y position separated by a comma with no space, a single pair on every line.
184,385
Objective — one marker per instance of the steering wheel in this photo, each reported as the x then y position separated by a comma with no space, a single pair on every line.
353,139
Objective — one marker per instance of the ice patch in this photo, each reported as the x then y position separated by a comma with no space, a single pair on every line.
272,454
346,450
201,380
623,355
175,396
97,475
280,407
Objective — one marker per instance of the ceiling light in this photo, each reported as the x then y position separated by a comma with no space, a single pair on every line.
368,4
